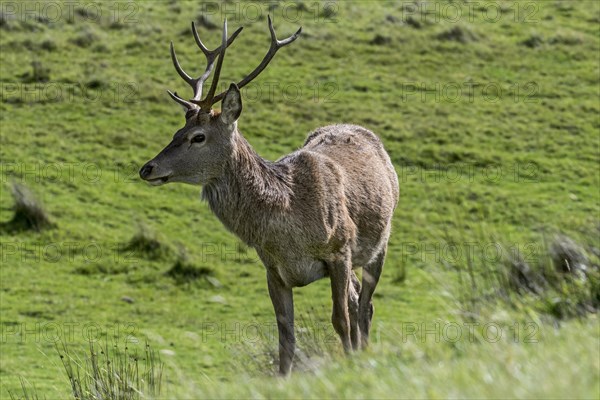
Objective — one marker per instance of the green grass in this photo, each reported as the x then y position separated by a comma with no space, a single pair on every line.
84,106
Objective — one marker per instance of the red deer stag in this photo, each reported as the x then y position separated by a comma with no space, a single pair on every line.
321,211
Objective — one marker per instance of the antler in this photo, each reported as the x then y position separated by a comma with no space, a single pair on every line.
275,45
211,55
196,84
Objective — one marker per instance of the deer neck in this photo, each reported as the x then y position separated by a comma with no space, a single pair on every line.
250,193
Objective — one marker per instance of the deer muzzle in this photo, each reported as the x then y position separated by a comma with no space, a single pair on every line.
147,173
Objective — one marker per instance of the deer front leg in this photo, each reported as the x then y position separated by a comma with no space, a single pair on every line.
283,303
340,270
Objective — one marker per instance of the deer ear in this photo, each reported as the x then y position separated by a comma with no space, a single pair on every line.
231,108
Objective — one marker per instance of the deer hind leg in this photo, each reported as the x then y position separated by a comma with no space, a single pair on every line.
353,295
371,274
340,270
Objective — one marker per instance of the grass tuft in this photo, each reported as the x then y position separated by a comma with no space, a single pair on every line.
39,73
413,22
458,34
561,283
113,373
48,45
85,37
96,268
568,40
146,243
184,271
534,41
380,40
29,212
202,21
7,21
97,83
521,277
568,256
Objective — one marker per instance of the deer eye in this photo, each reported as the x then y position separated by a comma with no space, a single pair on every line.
198,138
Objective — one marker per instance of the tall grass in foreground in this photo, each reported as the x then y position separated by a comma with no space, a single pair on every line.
27,392
113,373
106,373
424,368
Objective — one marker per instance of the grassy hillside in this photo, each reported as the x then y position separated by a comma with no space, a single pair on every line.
489,111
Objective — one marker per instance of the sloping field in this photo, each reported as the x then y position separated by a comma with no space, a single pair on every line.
489,111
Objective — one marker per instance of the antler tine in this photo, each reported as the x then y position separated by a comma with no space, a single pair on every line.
281,43
180,70
181,101
275,45
211,55
196,83
215,52
208,100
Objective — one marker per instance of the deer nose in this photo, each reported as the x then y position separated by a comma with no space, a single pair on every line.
146,171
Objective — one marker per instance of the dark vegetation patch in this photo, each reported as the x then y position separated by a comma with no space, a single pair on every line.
393,19
33,45
146,243
557,279
96,83
564,7
299,6
29,212
415,23
89,269
380,40
202,21
39,73
87,13
409,20
9,22
183,271
37,314
458,34
568,256
174,8
33,23
117,25
48,45
568,40
329,11
85,37
533,41
5,21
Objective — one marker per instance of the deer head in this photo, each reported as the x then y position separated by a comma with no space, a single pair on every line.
199,150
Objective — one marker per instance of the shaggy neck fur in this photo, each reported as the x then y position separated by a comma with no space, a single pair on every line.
251,192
